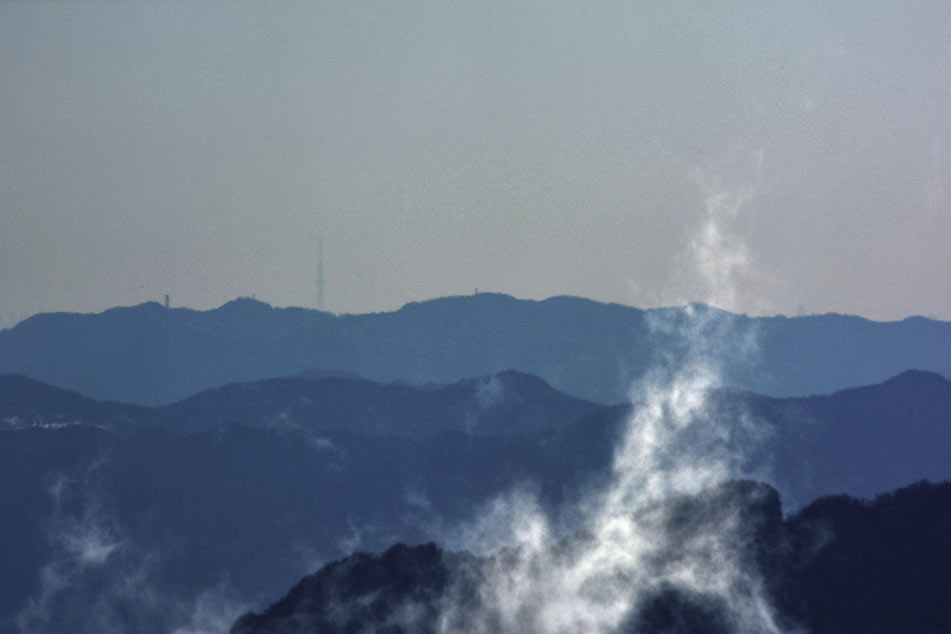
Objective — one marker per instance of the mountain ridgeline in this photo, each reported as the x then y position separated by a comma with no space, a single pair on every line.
860,441
150,355
506,403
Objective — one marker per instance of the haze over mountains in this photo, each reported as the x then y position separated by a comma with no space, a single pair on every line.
475,464
150,355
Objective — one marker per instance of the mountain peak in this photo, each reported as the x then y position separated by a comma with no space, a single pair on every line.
917,377
244,304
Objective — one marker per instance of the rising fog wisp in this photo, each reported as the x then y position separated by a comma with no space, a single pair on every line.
673,445
98,580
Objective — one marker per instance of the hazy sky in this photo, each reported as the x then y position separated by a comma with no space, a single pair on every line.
647,153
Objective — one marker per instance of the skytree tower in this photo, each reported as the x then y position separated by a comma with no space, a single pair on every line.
320,274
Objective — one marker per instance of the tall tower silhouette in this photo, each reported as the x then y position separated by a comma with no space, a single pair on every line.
320,274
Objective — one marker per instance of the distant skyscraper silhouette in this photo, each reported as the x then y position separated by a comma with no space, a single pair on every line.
320,274
166,301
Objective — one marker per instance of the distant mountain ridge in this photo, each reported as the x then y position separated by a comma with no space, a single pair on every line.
861,440
505,403
26,402
850,441
148,354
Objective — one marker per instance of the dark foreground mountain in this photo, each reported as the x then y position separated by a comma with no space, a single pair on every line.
151,355
839,566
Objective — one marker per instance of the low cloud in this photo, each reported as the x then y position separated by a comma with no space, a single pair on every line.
98,580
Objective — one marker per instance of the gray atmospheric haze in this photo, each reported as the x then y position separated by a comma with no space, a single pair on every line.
632,152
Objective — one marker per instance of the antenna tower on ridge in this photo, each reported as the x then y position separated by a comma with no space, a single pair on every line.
320,274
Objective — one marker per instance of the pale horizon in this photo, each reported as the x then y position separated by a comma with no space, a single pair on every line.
765,160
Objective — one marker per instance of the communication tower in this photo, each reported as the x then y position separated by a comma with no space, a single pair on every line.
320,274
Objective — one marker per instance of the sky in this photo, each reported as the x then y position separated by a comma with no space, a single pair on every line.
648,153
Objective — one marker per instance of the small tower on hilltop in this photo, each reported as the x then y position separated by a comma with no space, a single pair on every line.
320,274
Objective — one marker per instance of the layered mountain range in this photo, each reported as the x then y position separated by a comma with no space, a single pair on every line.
99,492
151,355
165,470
